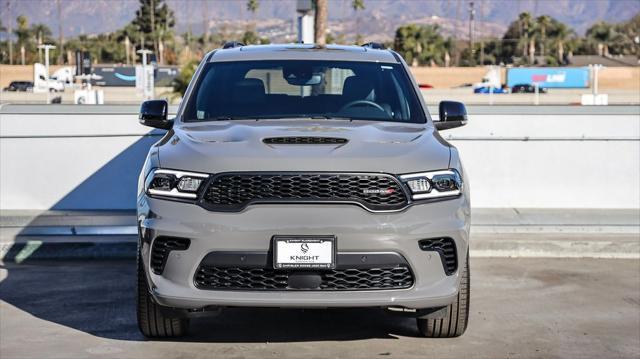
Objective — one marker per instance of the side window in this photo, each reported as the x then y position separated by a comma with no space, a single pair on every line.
400,97
206,92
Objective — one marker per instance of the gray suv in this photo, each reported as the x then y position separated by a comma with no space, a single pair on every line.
302,176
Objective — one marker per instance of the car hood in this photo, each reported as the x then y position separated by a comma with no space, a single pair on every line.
227,146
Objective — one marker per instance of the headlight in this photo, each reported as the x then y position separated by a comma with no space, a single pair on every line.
178,184
434,184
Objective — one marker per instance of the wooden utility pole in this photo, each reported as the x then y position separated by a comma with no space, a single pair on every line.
320,23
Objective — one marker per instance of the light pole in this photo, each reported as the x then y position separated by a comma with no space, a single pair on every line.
146,90
46,48
305,21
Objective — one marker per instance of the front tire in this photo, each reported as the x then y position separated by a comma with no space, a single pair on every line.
152,321
454,323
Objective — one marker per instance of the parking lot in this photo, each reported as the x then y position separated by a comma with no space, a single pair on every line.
521,308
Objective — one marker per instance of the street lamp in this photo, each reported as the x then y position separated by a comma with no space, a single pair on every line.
46,48
146,89
305,21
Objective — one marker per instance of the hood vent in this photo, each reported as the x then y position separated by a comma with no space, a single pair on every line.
299,140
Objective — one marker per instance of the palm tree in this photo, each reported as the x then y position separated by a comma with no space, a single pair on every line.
357,5
561,35
23,33
42,34
526,29
601,33
420,44
128,35
543,23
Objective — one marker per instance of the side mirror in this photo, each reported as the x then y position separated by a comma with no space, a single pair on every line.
452,114
153,113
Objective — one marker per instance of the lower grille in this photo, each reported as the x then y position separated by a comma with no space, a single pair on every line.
235,191
238,278
161,248
446,247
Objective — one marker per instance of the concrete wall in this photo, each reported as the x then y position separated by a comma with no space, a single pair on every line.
66,157
611,78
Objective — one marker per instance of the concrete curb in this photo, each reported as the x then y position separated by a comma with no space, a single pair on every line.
556,245
49,248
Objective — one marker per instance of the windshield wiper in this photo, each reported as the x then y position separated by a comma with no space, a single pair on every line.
327,117
225,118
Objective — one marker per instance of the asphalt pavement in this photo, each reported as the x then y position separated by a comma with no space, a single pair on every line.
520,308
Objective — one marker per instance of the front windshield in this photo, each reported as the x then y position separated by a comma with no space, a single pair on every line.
303,89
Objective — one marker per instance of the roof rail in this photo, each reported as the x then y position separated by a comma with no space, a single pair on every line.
232,44
374,45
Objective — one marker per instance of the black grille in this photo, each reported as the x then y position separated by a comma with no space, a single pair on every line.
446,247
161,248
234,191
237,278
305,141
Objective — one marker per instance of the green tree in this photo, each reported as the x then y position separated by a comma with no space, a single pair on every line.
601,34
154,21
542,24
23,34
181,82
528,30
420,45
251,38
492,53
42,35
627,40
128,36
252,6
561,35
519,41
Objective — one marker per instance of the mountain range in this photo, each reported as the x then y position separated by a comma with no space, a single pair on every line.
276,18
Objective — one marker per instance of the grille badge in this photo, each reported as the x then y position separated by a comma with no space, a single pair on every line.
383,191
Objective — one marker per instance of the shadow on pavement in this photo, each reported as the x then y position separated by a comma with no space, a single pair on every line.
99,298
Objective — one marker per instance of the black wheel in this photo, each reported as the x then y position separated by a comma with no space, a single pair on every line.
455,321
152,322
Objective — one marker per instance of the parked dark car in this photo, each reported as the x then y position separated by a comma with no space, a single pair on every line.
19,86
527,88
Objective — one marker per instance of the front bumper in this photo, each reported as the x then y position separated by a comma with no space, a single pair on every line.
251,230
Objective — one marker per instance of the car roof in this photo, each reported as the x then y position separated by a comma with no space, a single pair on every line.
303,52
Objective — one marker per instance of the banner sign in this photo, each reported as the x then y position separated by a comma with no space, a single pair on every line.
126,75
549,77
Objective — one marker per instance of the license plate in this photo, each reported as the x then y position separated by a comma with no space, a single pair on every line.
302,252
